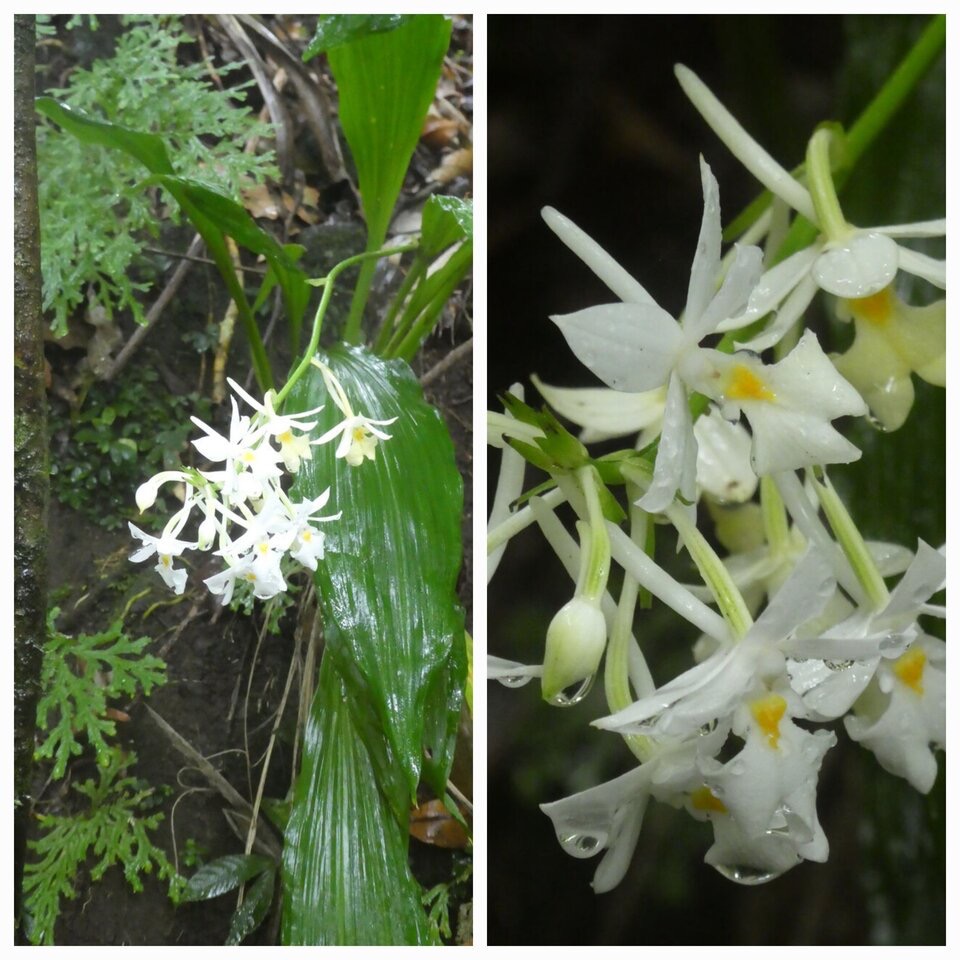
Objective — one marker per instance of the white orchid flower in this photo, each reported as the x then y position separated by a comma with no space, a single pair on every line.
903,712
608,817
165,547
293,447
893,340
636,346
712,690
831,670
790,404
851,263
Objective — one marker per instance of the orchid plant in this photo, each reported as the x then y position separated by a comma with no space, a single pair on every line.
735,404
347,453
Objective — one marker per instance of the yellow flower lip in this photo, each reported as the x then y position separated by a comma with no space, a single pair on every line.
746,385
877,309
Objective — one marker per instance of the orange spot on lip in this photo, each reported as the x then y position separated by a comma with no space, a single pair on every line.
909,669
876,309
746,385
703,798
768,712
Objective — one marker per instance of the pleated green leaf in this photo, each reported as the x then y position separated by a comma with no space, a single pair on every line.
388,583
386,82
345,873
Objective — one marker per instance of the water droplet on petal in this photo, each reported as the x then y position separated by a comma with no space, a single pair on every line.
582,845
837,664
514,681
749,876
573,695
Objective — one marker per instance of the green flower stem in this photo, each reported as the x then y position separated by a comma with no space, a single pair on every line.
898,86
851,541
776,527
871,122
616,673
597,545
820,183
327,283
715,575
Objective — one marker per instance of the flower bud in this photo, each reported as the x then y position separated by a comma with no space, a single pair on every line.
576,639
147,494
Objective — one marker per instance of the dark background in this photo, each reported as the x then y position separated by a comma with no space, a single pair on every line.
586,115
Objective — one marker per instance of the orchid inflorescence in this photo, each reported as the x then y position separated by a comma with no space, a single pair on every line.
245,515
798,626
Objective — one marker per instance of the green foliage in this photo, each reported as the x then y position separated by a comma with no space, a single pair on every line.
391,681
124,431
80,675
438,899
383,131
89,243
228,873
346,876
335,29
114,828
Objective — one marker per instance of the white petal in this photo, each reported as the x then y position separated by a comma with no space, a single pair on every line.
604,413
676,466
733,295
924,577
596,258
655,579
706,260
723,459
923,228
790,311
588,822
774,286
921,265
774,177
629,346
802,597
785,440
861,267
807,378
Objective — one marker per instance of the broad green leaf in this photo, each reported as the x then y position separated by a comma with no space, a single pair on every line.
225,874
250,914
336,29
345,874
386,83
387,585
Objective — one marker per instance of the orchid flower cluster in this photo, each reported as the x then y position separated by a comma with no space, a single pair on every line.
797,624
245,516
